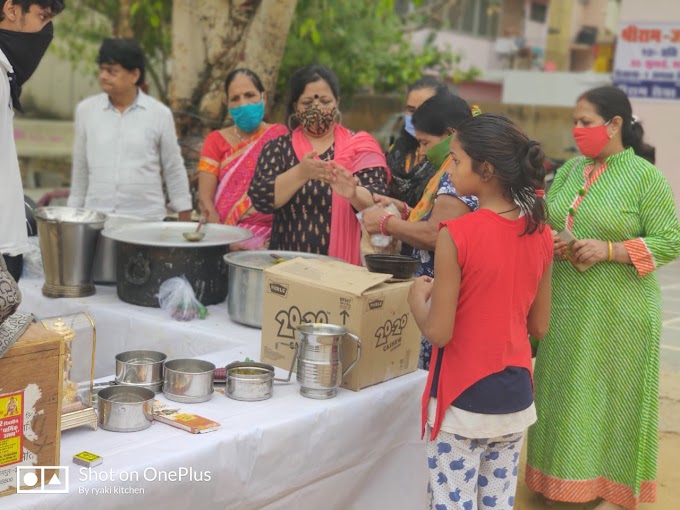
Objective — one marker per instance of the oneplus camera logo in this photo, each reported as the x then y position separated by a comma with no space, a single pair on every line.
42,479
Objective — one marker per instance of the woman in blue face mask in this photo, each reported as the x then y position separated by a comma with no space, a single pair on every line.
230,155
410,169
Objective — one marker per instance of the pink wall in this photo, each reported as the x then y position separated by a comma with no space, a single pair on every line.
659,118
481,92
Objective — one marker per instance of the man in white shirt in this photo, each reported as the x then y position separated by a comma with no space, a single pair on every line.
126,145
25,34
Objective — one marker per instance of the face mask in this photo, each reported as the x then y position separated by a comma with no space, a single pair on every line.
24,50
438,154
591,141
317,121
408,125
248,116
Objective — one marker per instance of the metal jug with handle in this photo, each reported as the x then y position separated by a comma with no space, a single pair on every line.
319,367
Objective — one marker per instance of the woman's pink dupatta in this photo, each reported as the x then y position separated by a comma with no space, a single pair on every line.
353,152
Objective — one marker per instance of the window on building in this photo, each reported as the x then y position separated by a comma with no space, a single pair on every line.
538,12
488,18
479,17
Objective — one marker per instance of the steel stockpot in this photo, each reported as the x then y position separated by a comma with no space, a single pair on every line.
251,381
246,281
104,269
188,380
140,368
125,408
147,254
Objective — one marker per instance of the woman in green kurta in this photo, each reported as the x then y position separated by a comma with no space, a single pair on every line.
597,370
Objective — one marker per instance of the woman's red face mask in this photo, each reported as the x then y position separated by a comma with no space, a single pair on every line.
591,141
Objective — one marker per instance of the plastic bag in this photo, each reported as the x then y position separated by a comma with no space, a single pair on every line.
379,240
33,265
177,298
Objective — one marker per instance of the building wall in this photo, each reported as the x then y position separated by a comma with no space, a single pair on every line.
549,89
535,33
475,51
481,91
659,118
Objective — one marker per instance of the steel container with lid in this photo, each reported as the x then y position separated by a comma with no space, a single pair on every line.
246,281
147,254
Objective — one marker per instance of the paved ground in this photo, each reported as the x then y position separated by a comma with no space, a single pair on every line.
668,488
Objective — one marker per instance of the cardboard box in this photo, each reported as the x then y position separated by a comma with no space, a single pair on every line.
30,409
311,290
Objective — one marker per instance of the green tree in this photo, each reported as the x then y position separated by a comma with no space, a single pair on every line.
367,44
86,22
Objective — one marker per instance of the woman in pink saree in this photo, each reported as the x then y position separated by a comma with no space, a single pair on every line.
229,158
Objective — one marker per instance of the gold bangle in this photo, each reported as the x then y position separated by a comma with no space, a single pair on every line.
610,245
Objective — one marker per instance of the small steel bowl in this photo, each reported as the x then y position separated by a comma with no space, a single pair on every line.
140,368
188,380
249,381
125,408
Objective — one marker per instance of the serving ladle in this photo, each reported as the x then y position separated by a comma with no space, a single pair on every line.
196,235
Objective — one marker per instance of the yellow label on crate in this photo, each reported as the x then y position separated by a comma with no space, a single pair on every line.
11,428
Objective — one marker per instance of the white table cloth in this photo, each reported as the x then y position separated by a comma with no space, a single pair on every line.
356,451
124,327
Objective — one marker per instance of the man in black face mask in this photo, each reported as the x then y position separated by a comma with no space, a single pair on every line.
25,34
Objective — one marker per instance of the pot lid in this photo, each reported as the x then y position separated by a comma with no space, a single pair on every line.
118,220
263,259
168,234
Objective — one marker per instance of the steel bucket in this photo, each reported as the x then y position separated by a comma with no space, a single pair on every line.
68,242
319,365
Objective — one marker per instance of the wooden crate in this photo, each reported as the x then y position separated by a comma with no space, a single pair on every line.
30,405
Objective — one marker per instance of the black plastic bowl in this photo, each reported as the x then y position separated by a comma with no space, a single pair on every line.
401,267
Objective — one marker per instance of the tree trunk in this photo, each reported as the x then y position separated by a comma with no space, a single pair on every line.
211,38
123,29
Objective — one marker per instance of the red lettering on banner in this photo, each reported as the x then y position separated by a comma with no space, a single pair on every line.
676,35
648,35
630,33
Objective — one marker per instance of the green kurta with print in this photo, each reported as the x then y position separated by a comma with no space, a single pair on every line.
597,370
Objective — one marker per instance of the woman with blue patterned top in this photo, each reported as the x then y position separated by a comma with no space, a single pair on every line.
434,122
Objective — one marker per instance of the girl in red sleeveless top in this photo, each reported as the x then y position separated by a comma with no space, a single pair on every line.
492,290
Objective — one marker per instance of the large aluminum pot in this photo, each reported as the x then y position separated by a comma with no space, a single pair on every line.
188,380
125,408
143,369
68,242
246,281
104,270
150,253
